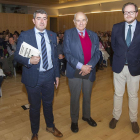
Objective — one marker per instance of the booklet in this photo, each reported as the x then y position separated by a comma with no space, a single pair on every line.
26,50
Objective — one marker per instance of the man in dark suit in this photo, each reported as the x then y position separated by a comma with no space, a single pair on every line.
81,50
126,64
40,72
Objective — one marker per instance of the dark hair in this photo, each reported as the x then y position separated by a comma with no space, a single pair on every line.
130,3
16,32
11,36
39,12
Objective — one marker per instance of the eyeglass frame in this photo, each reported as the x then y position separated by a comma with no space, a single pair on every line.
130,12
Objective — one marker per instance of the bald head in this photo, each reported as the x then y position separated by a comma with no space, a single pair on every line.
80,13
80,21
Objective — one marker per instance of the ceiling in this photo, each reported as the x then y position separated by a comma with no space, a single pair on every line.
55,3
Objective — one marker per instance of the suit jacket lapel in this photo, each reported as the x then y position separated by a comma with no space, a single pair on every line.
49,36
136,32
92,42
77,39
33,38
123,33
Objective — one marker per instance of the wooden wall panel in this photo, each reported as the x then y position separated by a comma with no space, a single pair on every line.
96,21
17,22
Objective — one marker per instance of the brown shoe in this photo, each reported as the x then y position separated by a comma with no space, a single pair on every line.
113,123
34,137
54,131
135,127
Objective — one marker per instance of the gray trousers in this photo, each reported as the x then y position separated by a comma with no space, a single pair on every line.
75,85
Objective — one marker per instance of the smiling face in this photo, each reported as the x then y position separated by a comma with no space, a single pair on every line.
40,21
130,14
80,21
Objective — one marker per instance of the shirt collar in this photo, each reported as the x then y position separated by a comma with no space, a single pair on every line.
37,31
81,31
133,23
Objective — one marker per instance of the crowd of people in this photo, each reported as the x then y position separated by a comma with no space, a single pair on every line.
8,42
82,50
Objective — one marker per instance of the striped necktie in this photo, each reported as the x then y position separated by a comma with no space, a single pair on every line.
44,51
128,37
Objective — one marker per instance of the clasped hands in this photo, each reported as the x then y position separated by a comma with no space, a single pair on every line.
86,69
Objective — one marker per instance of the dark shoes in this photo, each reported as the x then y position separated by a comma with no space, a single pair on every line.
135,127
74,127
113,123
34,137
54,131
90,121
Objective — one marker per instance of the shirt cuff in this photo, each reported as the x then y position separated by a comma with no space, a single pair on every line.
29,62
79,65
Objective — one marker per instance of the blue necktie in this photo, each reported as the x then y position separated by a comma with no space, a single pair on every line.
128,37
44,51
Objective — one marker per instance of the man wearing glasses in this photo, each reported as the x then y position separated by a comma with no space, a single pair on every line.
125,41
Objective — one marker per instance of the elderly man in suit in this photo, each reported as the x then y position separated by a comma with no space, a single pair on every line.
81,50
40,72
126,64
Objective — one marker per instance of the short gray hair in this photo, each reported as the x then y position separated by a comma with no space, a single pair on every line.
76,14
39,12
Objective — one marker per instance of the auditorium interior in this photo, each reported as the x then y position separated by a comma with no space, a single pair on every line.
17,15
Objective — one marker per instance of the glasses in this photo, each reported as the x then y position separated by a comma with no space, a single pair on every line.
130,13
79,21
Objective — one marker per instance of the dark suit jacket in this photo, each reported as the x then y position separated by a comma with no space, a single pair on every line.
74,53
122,52
30,72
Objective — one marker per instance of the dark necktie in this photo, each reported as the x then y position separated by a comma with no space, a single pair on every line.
81,34
128,37
44,51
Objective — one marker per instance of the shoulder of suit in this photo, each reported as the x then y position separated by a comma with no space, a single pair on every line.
92,32
27,32
70,30
51,32
138,22
119,24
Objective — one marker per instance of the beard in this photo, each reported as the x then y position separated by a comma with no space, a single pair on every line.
131,20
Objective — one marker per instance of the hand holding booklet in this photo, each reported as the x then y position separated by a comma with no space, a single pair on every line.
26,50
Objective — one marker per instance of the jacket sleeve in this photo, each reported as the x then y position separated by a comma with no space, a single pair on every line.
19,58
57,73
96,56
113,38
